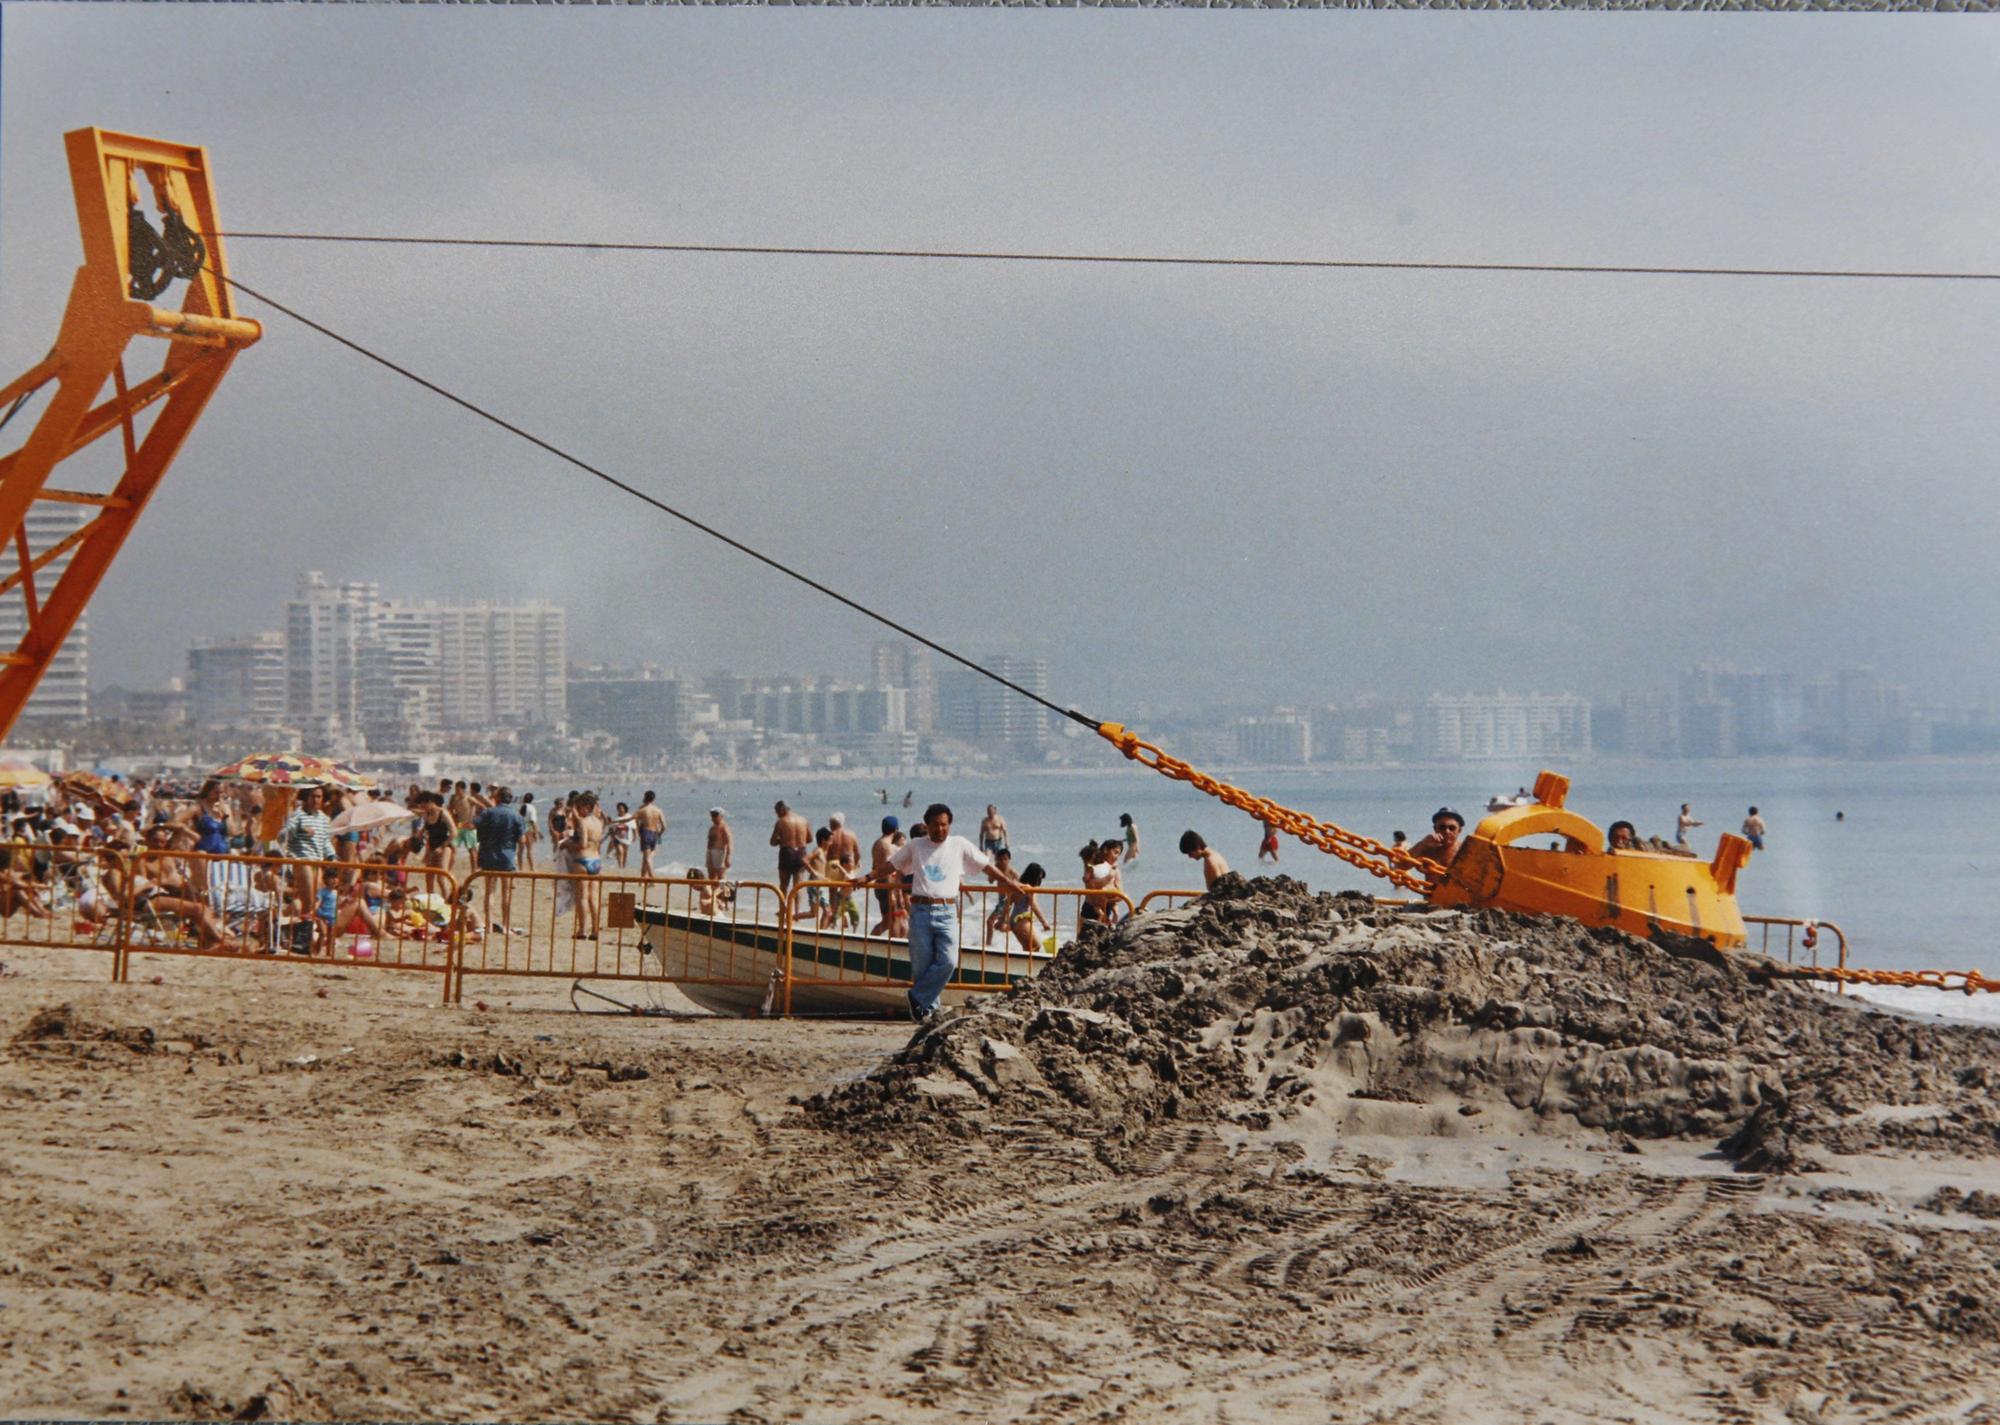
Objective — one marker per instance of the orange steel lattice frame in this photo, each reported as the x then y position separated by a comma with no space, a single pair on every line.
202,338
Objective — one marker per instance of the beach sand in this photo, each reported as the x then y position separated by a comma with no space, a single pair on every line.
309,1191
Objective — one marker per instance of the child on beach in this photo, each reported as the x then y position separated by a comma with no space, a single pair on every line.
1213,867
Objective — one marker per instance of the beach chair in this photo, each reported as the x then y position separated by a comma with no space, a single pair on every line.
153,926
245,911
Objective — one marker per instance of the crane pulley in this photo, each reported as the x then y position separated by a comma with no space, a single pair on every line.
125,265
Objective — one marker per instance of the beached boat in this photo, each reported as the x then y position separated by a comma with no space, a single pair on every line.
726,965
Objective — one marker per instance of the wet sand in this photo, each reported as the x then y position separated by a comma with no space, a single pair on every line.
310,1191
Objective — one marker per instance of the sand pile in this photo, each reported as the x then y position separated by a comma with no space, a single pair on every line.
1270,1008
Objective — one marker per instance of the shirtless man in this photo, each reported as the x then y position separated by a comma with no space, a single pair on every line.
791,834
1442,844
652,824
1213,867
721,845
843,848
992,831
879,872
586,841
464,809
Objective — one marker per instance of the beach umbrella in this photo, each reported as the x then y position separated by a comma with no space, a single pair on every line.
91,787
19,772
368,815
293,769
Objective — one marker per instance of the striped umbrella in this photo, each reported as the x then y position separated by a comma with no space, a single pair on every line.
293,769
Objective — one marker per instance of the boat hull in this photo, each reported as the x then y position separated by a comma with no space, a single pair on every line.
737,968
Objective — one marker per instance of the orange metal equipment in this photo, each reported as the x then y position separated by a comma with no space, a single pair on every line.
125,264
1639,891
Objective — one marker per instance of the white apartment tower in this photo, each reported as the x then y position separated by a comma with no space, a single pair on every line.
64,692
500,663
396,671
326,625
1504,726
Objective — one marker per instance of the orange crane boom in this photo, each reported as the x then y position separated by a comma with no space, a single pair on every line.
126,263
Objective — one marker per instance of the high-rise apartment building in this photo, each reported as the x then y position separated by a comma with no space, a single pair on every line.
976,709
64,692
326,625
396,671
238,682
908,665
1282,739
646,709
500,664
1504,725
398,699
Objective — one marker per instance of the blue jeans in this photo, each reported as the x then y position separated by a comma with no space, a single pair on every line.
933,952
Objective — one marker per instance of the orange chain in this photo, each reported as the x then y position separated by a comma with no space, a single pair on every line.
1412,873
1971,981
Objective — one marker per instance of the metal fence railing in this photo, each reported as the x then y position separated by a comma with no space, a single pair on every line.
363,914
567,925
734,947
62,896
1803,940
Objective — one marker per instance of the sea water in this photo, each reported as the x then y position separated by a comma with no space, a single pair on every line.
1901,855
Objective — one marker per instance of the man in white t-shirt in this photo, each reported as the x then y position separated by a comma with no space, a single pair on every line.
936,863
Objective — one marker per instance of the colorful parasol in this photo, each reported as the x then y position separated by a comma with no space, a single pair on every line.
19,772
293,769
90,787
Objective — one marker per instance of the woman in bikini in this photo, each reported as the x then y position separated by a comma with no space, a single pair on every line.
1024,914
585,841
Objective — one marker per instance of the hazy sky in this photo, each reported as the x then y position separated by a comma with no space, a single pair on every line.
1176,483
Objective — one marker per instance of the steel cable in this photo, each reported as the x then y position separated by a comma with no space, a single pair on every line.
1131,259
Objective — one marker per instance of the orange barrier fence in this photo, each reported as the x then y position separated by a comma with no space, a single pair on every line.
243,907
849,945
739,947
566,925
62,897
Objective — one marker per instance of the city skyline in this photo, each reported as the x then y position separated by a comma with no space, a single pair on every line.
351,667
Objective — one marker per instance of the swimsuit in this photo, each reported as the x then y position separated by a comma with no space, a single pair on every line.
589,865
648,840
791,860
437,835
